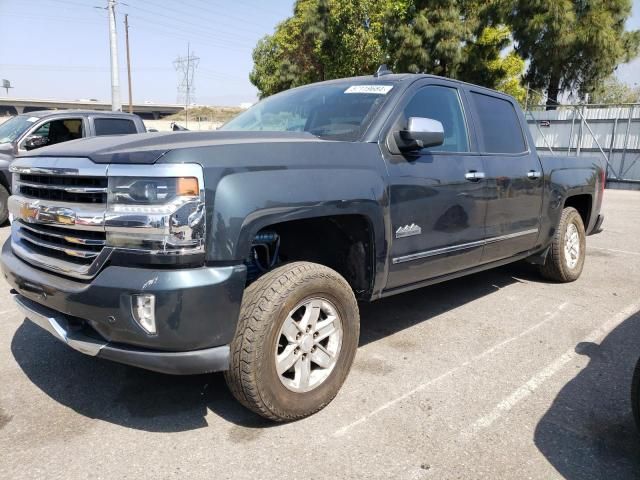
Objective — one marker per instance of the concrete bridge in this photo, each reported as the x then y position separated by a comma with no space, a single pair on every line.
16,106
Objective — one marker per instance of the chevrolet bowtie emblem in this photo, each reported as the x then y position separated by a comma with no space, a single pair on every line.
28,213
32,213
408,230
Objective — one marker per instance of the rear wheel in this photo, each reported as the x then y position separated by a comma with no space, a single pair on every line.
565,259
4,204
296,339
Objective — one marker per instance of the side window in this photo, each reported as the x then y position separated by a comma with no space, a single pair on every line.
114,126
58,131
500,128
442,104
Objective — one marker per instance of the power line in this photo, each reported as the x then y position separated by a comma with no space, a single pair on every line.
203,31
189,35
217,15
186,68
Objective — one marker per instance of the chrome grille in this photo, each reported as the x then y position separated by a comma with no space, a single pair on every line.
59,207
81,246
62,216
63,188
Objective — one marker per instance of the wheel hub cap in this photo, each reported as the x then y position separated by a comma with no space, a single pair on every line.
572,246
308,345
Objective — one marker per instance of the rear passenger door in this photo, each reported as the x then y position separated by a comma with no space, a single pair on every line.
513,173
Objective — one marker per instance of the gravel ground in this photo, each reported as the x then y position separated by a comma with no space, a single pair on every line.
497,375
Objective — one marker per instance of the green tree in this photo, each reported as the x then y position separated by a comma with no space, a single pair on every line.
458,39
428,37
487,62
613,90
323,39
572,45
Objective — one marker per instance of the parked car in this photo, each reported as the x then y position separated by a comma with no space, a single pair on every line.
33,130
245,250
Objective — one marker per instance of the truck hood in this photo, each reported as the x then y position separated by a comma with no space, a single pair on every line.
146,148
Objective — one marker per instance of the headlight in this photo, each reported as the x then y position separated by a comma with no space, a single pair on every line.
156,214
150,191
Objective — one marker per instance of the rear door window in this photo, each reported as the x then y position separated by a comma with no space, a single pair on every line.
114,126
499,125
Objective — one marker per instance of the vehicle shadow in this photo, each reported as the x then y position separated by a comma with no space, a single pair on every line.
149,401
589,432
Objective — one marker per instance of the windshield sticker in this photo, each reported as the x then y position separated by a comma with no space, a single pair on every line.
375,89
32,119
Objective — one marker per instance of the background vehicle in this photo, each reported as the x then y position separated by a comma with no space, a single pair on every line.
34,130
245,250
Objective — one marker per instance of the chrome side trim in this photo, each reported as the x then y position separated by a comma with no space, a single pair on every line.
511,235
438,251
57,326
462,246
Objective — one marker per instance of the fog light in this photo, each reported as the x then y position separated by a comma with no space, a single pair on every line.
144,311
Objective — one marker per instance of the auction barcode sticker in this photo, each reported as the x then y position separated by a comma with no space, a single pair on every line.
376,89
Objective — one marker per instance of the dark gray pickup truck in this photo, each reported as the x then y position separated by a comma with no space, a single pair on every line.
246,250
33,130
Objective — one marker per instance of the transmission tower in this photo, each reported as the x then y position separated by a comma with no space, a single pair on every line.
186,68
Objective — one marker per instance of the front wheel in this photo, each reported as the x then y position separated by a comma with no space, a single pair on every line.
565,259
296,339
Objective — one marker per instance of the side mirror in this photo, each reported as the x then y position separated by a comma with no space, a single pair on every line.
35,141
420,133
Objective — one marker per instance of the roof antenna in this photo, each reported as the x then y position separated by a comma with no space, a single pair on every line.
382,70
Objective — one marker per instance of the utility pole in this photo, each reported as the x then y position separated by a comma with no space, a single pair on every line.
116,105
126,35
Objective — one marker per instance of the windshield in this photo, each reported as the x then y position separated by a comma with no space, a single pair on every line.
340,111
13,128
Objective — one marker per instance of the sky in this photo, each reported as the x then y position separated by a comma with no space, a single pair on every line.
59,49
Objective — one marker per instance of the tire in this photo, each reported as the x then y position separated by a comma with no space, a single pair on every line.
4,205
278,298
635,395
560,266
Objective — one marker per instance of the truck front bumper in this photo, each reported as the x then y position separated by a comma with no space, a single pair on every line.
196,312
178,363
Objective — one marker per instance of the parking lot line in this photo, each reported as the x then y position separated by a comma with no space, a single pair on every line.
549,317
626,252
543,375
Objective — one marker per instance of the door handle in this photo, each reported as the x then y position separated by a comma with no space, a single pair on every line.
533,175
474,176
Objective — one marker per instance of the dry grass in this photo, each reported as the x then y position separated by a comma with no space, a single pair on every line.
207,114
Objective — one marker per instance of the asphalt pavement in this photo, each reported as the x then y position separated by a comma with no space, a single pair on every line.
496,375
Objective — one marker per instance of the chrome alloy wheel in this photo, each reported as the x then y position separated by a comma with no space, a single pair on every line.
308,344
571,246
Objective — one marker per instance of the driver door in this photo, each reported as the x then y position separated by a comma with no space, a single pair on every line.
53,131
437,202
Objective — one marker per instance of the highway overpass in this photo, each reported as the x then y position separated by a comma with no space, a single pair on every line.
150,111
